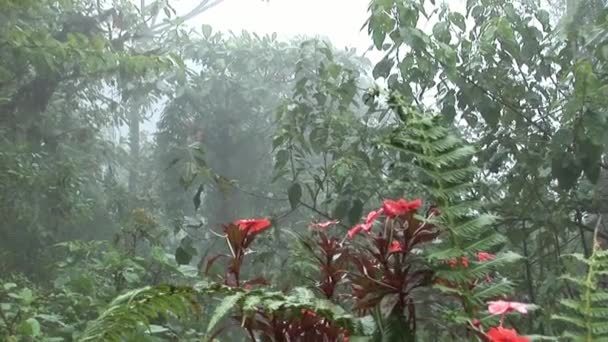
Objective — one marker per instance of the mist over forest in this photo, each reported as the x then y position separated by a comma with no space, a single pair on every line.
315,171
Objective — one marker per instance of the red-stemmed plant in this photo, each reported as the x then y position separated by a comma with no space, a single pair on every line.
281,324
386,267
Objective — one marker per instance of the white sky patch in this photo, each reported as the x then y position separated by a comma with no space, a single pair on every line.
338,20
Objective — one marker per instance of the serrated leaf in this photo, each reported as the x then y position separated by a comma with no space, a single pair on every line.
222,310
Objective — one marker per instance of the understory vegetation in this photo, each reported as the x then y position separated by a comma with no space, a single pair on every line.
166,181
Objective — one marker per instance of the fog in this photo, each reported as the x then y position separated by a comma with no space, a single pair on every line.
288,170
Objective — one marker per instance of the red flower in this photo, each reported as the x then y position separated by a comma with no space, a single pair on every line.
356,229
309,313
454,262
373,216
400,207
253,226
323,225
500,334
501,307
415,204
396,247
483,256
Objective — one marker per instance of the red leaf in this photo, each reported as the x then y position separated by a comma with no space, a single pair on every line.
255,281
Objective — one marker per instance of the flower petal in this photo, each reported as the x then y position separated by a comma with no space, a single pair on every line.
253,226
354,231
373,215
396,247
483,256
324,225
500,334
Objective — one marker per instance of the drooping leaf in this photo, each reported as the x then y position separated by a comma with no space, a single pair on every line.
355,212
294,194
182,257
341,209
197,197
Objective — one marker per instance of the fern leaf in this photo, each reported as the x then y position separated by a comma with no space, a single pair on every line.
223,309
139,307
587,314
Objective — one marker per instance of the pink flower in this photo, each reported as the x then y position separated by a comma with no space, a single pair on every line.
373,216
501,307
323,225
367,227
400,207
355,230
396,247
483,256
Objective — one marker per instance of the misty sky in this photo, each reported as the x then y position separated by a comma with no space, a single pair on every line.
338,20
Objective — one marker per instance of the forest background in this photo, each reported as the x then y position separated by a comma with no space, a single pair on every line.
487,119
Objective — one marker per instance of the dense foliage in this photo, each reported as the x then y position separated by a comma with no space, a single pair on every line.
167,183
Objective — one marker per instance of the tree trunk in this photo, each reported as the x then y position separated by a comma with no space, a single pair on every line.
134,150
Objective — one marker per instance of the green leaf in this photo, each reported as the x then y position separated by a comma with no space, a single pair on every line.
383,68
355,212
138,307
458,20
30,327
565,169
9,286
182,257
222,310
489,110
207,30
295,194
589,155
340,209
196,200
544,18
25,295
441,31
281,159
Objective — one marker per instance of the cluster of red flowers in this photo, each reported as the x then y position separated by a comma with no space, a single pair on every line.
390,209
464,261
241,233
500,307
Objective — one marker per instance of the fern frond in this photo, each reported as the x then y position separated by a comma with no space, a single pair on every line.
444,163
222,310
490,291
587,314
140,307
